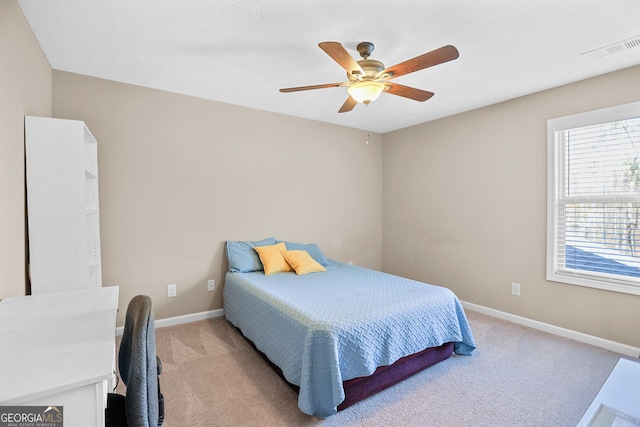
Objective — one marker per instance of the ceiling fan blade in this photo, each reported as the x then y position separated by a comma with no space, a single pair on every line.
339,54
408,92
348,105
429,59
322,86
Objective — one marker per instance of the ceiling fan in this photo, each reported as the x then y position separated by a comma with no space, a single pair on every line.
368,78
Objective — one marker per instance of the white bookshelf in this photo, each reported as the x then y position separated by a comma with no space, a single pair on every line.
62,205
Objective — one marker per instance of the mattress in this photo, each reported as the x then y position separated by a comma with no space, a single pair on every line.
322,329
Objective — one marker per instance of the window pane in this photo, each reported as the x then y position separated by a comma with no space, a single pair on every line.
603,159
602,237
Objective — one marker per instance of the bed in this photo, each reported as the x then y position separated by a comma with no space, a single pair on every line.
343,333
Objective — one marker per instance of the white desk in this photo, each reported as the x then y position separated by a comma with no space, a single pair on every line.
618,401
58,349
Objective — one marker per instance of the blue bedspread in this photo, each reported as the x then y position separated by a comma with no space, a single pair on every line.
325,328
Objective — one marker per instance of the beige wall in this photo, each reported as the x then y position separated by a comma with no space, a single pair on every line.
464,206
181,175
25,89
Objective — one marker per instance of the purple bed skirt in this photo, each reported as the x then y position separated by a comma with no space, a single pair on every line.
384,377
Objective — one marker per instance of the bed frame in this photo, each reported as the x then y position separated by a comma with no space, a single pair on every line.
360,388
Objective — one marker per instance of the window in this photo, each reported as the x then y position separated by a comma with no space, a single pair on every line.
593,219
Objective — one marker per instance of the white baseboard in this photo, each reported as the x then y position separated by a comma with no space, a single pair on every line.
617,347
178,320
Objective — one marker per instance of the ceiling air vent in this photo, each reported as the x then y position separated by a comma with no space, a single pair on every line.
613,48
634,42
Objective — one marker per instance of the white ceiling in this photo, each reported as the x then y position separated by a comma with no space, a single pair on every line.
242,51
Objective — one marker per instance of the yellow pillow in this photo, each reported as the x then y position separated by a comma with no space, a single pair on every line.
302,262
272,259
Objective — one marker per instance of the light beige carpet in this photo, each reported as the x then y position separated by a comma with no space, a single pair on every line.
517,377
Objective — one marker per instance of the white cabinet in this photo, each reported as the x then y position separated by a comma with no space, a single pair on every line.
62,205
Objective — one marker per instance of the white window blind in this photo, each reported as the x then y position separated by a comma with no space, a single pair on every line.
594,199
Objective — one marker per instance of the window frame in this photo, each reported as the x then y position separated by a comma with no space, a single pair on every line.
605,115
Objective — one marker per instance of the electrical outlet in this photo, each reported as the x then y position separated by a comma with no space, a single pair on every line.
515,289
211,285
172,291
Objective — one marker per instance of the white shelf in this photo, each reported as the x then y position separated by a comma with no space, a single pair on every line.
62,205
95,275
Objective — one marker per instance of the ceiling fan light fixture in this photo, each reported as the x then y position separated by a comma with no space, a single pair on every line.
368,78
365,92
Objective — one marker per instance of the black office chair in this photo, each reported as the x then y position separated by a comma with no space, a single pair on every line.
140,367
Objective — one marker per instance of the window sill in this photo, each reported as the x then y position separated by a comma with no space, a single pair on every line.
606,286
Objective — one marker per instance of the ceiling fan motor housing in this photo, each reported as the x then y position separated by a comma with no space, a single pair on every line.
371,67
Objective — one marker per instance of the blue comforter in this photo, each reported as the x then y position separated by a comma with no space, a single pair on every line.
325,328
